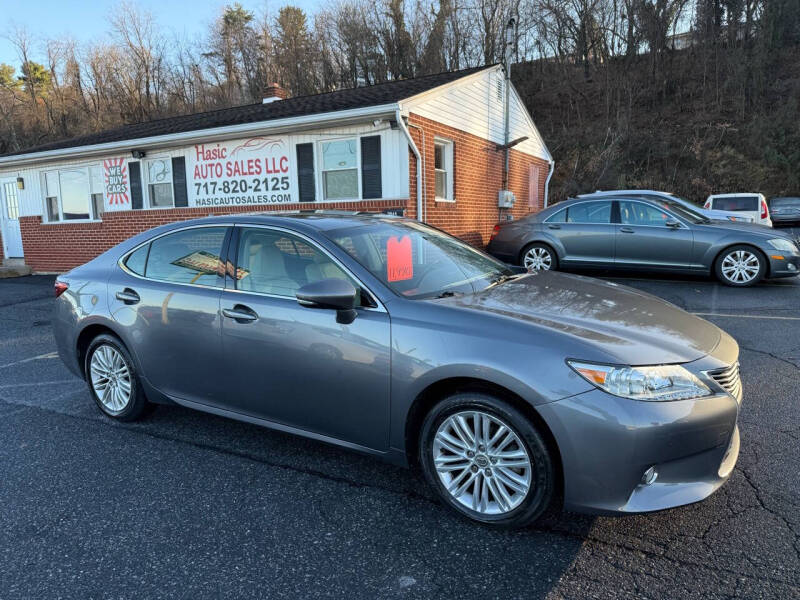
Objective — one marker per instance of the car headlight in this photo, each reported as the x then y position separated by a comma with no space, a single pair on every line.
782,244
656,383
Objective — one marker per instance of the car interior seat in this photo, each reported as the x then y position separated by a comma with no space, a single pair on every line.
266,268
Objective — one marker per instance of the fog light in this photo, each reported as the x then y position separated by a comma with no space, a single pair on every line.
792,267
649,476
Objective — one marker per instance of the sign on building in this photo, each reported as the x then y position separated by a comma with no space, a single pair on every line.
116,189
258,170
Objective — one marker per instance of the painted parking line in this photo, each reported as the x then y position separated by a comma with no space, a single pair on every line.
32,358
732,316
9,386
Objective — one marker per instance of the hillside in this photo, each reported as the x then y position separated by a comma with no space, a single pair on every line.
702,121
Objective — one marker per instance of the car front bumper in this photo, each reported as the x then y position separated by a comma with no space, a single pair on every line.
607,443
787,266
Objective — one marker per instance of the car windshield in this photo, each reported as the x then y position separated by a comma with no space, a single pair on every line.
417,261
678,206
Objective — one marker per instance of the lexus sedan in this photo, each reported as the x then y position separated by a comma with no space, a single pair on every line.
509,389
644,234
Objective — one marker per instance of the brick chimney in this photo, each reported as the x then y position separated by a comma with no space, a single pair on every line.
274,92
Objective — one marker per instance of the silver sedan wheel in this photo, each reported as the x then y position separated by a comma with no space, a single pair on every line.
111,379
482,463
537,259
740,266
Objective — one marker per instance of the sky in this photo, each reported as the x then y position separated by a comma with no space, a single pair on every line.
88,20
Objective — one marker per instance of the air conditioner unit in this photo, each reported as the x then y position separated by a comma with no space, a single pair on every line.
505,199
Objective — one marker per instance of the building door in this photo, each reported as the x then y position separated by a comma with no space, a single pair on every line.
9,219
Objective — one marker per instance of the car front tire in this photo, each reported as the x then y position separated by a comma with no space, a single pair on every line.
741,266
486,460
113,380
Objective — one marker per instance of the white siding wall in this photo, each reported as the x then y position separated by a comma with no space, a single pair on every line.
394,162
475,105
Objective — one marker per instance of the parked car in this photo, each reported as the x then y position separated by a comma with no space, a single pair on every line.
389,337
635,233
719,215
785,210
747,205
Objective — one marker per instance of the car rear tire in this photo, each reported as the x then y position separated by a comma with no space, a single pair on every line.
486,460
113,380
740,266
538,257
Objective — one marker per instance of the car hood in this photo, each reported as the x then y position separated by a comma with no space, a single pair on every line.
609,322
745,228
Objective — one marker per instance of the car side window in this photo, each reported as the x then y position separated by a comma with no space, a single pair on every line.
590,212
137,260
559,217
637,213
188,256
276,263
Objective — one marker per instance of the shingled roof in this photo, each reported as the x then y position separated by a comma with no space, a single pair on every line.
362,97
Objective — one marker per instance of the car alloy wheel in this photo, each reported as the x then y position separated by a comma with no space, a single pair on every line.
538,258
740,267
481,462
110,378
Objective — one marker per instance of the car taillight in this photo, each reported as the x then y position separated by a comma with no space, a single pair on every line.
60,288
495,231
764,213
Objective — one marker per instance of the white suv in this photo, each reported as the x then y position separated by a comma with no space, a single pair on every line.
749,205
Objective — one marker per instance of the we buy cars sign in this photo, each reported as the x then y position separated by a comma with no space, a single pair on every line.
252,171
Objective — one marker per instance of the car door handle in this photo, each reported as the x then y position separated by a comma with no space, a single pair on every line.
626,230
551,226
128,296
240,313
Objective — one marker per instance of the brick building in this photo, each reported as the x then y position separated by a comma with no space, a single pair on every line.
432,148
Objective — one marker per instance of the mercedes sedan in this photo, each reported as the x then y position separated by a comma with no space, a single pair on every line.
508,389
644,234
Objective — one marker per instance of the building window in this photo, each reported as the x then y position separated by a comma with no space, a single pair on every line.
50,185
159,182
73,194
443,167
96,185
340,170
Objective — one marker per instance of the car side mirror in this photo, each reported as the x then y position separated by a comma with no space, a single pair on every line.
332,293
673,224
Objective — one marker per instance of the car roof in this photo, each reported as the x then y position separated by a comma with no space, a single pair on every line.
320,220
735,194
623,193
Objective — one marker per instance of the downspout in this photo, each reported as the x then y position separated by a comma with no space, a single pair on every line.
417,155
547,182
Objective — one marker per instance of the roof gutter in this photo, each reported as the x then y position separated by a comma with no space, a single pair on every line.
314,121
415,150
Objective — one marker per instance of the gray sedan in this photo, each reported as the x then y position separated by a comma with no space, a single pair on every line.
644,234
509,389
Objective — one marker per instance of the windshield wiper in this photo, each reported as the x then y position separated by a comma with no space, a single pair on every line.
447,294
500,279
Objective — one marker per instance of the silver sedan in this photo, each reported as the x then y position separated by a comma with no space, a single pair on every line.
644,234
509,389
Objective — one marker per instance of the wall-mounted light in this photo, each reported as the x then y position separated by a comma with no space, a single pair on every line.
20,183
138,153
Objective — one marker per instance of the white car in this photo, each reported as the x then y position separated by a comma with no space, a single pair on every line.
747,205
718,215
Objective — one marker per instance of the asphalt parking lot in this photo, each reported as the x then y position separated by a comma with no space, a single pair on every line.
188,505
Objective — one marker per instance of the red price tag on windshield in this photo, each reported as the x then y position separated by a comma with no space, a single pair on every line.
399,263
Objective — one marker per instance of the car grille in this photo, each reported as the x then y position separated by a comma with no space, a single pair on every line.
728,379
